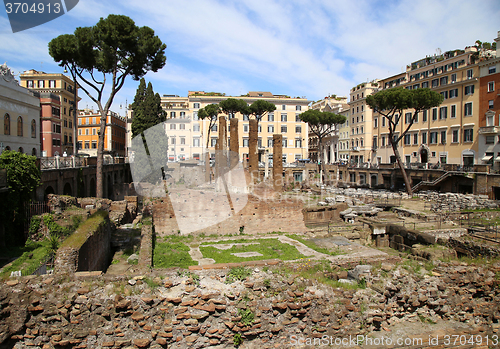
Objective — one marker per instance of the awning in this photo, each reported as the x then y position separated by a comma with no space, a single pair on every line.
497,159
486,158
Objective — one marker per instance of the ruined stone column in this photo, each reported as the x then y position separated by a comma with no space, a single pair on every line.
234,146
252,151
278,162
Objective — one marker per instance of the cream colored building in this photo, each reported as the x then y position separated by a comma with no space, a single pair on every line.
344,137
361,133
285,120
331,146
448,133
64,87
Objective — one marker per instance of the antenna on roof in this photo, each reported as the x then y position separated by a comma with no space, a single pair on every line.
438,50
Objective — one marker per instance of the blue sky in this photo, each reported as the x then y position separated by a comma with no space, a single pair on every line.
305,48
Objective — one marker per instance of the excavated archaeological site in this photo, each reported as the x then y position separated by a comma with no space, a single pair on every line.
310,267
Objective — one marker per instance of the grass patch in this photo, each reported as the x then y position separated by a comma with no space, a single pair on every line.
238,273
33,255
78,238
268,248
172,254
313,246
319,270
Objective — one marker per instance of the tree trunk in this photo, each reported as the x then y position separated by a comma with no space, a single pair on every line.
320,159
100,156
401,166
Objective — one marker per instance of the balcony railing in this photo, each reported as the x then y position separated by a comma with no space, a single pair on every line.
489,130
60,162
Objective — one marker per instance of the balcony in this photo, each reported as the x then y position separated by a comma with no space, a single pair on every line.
355,149
489,130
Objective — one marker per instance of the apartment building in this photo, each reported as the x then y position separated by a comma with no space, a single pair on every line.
51,128
332,104
489,108
285,120
362,121
344,138
67,90
88,133
185,140
448,133
20,115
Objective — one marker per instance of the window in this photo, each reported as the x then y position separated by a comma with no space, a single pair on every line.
416,86
284,142
283,107
245,142
195,116
468,136
469,74
30,83
246,117
454,93
6,124
213,142
283,118
172,140
94,131
424,137
454,136
297,118
270,117
52,83
196,142
172,114
298,143
172,126
469,90
491,86
382,141
245,128
41,83
283,129
196,128
362,129
490,139
492,70
383,122
443,137
20,126
433,137
269,142
415,138
434,114
297,107
183,114
80,132
444,80
453,77
374,142
375,123
196,105
406,139
444,94
425,84
407,118
183,141
182,126
468,109
270,128
443,113
424,116
435,83
94,145
490,104
453,111
298,129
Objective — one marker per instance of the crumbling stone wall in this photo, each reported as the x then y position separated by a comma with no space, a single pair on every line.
88,248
